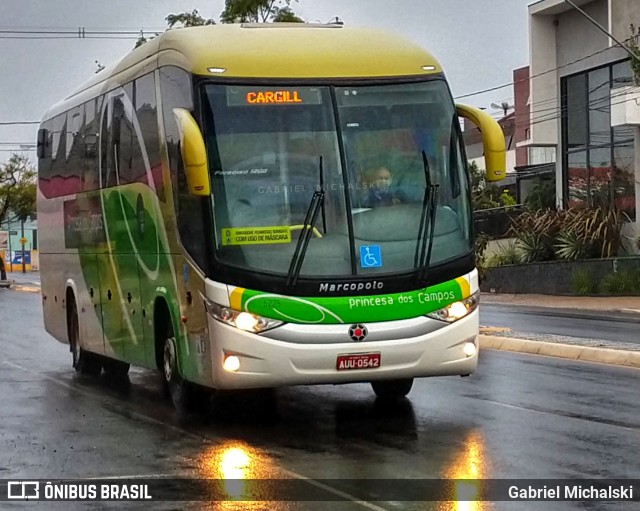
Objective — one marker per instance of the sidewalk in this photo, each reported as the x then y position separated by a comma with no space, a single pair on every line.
26,281
629,304
573,348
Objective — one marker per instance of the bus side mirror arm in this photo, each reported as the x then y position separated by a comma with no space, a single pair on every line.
495,148
194,153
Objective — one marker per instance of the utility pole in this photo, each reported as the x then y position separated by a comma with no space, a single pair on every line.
602,29
10,253
22,242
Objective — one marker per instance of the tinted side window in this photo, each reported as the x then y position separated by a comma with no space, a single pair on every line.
105,122
44,164
58,156
73,150
176,90
148,140
91,137
123,124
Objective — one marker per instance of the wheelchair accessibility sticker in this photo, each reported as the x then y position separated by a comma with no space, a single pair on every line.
370,256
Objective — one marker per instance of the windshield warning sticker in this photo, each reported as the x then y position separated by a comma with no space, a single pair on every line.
255,235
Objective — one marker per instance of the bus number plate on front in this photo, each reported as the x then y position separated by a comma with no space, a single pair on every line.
360,361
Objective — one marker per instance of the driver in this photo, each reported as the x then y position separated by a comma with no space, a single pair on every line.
376,188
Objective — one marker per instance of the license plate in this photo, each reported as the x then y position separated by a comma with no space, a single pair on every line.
359,361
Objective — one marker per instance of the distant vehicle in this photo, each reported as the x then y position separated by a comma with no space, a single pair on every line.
200,212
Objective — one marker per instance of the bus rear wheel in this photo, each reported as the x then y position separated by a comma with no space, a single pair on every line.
392,389
115,368
84,362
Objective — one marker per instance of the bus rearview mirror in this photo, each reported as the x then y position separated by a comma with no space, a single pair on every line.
495,148
194,153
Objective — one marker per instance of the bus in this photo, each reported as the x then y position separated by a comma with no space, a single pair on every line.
253,206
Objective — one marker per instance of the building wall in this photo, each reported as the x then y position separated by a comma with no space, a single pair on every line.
624,12
578,38
544,79
562,38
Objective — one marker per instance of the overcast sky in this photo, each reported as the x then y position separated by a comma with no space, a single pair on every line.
479,43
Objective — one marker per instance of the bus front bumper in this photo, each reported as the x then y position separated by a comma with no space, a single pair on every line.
268,362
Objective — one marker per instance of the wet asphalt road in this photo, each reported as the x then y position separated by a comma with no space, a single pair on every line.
517,417
617,327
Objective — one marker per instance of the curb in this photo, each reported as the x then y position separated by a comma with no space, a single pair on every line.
569,351
586,311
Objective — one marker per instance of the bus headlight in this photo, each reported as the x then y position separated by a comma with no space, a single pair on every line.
457,310
239,319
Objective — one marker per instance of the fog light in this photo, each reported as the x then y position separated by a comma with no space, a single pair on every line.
231,363
469,349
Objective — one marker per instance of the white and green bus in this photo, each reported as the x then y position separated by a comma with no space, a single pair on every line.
254,206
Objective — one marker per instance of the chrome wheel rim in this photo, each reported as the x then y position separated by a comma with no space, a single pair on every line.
169,359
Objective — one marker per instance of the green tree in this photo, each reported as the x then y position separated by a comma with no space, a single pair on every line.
188,19
486,195
258,11
542,195
236,11
17,188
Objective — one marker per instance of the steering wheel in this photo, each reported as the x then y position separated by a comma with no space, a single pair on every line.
316,232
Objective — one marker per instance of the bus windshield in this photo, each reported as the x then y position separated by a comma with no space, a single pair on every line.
368,147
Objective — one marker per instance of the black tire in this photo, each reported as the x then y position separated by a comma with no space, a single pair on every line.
392,389
185,396
115,368
84,362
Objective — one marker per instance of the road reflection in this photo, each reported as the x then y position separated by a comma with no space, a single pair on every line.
468,470
238,468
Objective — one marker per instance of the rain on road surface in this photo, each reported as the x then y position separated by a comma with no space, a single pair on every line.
517,417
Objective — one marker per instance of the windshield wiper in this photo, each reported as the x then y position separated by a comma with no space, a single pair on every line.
424,243
316,203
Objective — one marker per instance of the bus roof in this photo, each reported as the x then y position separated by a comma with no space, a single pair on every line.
270,50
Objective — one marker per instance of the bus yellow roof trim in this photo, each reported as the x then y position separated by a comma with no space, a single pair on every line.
300,51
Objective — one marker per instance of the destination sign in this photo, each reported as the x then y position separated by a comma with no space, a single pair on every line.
264,96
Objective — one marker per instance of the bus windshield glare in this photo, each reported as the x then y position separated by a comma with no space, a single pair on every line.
270,148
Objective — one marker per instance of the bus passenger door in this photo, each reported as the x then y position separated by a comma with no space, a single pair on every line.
119,278
120,304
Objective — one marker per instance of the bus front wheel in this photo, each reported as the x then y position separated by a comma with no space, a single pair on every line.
392,389
182,392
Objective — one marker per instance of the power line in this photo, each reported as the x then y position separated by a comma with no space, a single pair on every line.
77,33
498,87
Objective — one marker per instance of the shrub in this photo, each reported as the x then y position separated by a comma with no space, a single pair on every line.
568,234
479,247
621,282
582,282
507,253
571,245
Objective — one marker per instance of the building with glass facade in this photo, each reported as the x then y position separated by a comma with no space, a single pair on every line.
579,76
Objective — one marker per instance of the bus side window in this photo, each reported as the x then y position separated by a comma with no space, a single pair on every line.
147,139
73,150
123,125
58,150
91,138
105,139
44,163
